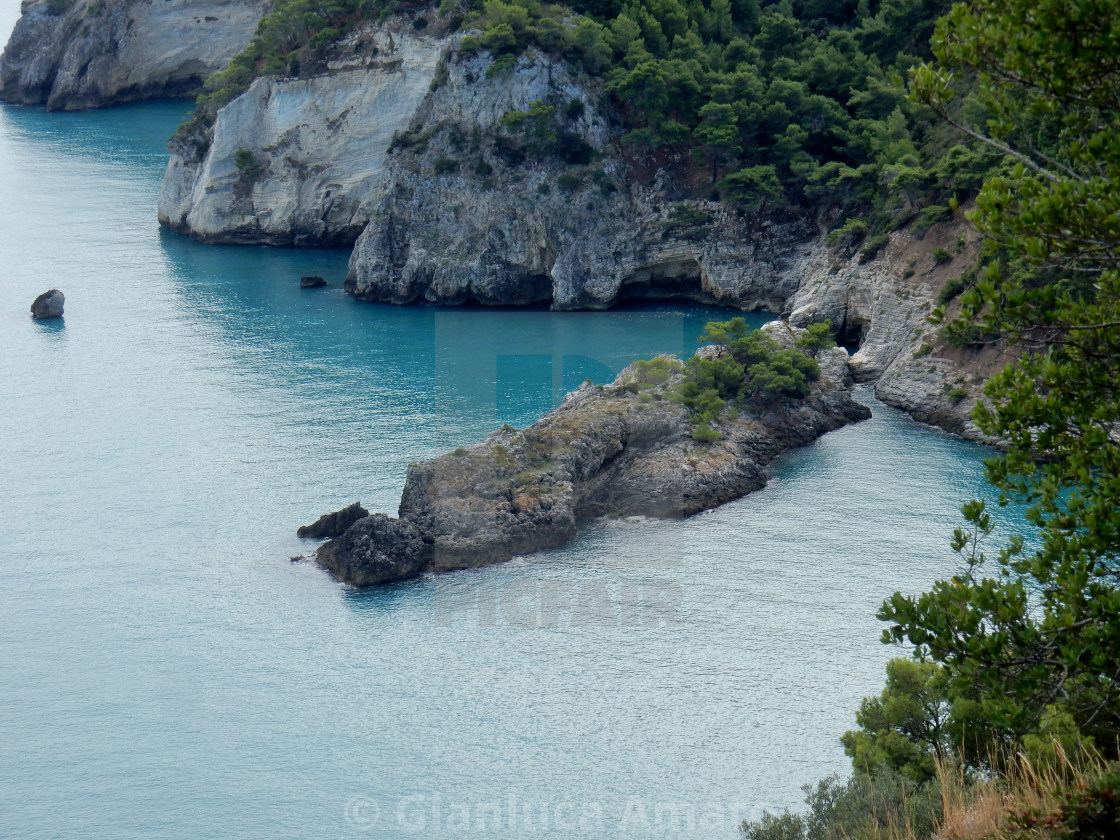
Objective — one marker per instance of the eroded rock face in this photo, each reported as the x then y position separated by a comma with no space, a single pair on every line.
883,306
75,54
545,230
301,161
614,451
443,216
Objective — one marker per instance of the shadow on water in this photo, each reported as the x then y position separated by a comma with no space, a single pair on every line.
52,328
480,364
134,131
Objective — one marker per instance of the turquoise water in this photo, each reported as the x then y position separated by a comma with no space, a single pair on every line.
167,672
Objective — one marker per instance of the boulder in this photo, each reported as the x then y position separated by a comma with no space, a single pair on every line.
375,550
312,282
48,305
333,524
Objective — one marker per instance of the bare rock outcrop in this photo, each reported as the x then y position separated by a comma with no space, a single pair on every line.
881,306
301,161
614,451
48,305
76,54
333,524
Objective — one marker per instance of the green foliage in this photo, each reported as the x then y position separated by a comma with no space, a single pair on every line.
653,372
754,368
817,337
872,247
849,234
246,163
867,806
952,288
911,725
1033,632
787,104
445,166
1090,812
538,133
940,256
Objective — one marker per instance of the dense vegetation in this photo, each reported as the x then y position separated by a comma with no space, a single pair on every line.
789,103
755,368
1017,656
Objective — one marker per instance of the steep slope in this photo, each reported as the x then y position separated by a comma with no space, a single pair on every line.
75,54
470,181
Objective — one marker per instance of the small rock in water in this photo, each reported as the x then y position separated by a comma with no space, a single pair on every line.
48,305
311,282
334,524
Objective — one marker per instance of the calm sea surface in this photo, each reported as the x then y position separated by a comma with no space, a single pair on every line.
165,671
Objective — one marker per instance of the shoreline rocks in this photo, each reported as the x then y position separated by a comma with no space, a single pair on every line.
89,54
615,451
48,305
333,524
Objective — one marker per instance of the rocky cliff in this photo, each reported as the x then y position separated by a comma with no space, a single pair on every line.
74,54
620,450
880,308
404,143
302,161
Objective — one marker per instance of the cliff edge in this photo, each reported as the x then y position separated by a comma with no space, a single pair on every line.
76,54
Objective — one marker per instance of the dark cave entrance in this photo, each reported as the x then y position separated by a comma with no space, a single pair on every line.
672,280
852,332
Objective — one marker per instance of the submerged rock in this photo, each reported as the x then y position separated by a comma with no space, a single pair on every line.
312,282
617,451
74,54
333,524
48,305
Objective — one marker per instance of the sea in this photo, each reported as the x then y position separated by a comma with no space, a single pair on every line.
168,671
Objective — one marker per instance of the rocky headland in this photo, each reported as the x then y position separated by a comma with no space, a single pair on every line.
625,449
76,54
405,147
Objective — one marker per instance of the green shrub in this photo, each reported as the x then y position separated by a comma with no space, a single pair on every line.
445,166
931,216
867,806
568,182
653,372
817,337
849,235
872,247
246,163
953,287
956,394
1091,811
940,256
703,432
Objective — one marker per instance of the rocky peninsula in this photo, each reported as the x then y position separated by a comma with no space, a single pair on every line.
625,449
77,54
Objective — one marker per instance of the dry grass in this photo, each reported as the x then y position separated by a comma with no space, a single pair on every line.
978,809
